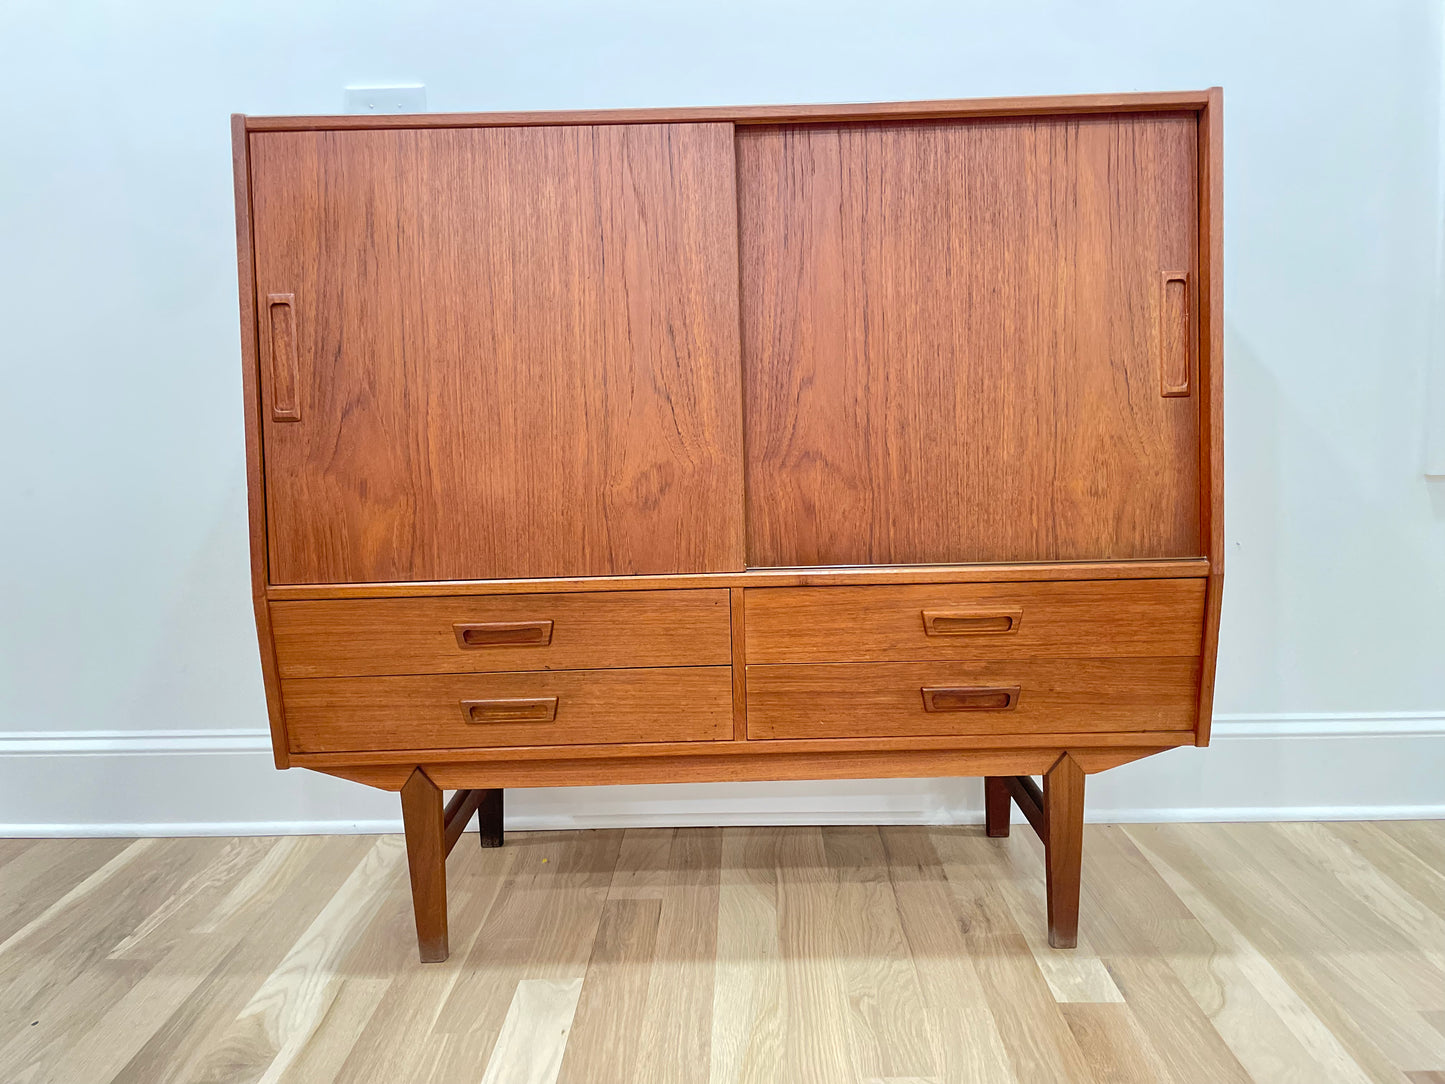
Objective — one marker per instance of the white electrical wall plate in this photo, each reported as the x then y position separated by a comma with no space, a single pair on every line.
406,98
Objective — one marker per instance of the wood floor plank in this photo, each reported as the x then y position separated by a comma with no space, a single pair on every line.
1422,838
748,1020
535,1033
347,1017
402,1035
604,1041
642,864
816,1044
176,962
73,1007
889,1028
676,1030
266,880
12,848
92,883
1423,928
1115,1046
1256,1011
1138,934
1364,962
1244,954
44,871
66,944
1016,865
1040,1046
542,926
967,1042
290,1003
233,858
1232,881
263,917
1375,844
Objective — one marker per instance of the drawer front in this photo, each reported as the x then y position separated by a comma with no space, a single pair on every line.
918,699
1046,619
495,633
469,711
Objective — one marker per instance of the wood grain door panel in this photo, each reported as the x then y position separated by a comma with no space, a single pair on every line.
500,353
584,630
973,621
952,336
918,699
474,711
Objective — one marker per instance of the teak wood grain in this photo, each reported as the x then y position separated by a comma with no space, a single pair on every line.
1031,106
1083,744
592,630
826,442
857,575
1211,364
1063,848
950,340
823,763
975,621
251,413
426,855
822,700
517,351
681,703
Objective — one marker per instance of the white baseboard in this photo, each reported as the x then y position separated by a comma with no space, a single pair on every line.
1371,766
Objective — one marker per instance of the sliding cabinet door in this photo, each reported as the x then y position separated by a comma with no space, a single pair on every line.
498,352
969,340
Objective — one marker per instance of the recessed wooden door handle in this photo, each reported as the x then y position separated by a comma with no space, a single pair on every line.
970,698
1175,351
972,622
285,397
535,709
504,634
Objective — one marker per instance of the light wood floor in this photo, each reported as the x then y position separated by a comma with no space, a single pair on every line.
1307,953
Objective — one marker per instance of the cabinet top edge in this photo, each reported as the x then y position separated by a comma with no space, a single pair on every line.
759,114
821,576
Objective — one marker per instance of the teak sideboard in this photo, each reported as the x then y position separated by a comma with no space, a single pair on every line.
799,442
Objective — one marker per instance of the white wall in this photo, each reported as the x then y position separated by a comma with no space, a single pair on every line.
124,605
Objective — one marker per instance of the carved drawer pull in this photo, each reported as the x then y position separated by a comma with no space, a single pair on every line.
1176,352
972,622
504,634
285,395
970,698
535,709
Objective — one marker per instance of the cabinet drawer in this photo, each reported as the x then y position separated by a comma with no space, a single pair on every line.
483,633
914,699
1045,619
466,711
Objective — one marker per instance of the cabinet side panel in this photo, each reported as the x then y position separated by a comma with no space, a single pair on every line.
255,478
515,352
1211,379
952,336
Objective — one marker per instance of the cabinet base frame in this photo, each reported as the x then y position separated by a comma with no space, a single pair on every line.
1056,812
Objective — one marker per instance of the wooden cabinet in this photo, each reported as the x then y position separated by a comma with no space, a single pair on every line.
729,444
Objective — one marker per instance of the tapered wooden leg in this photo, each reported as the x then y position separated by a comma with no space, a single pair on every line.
426,856
489,818
1064,848
996,808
